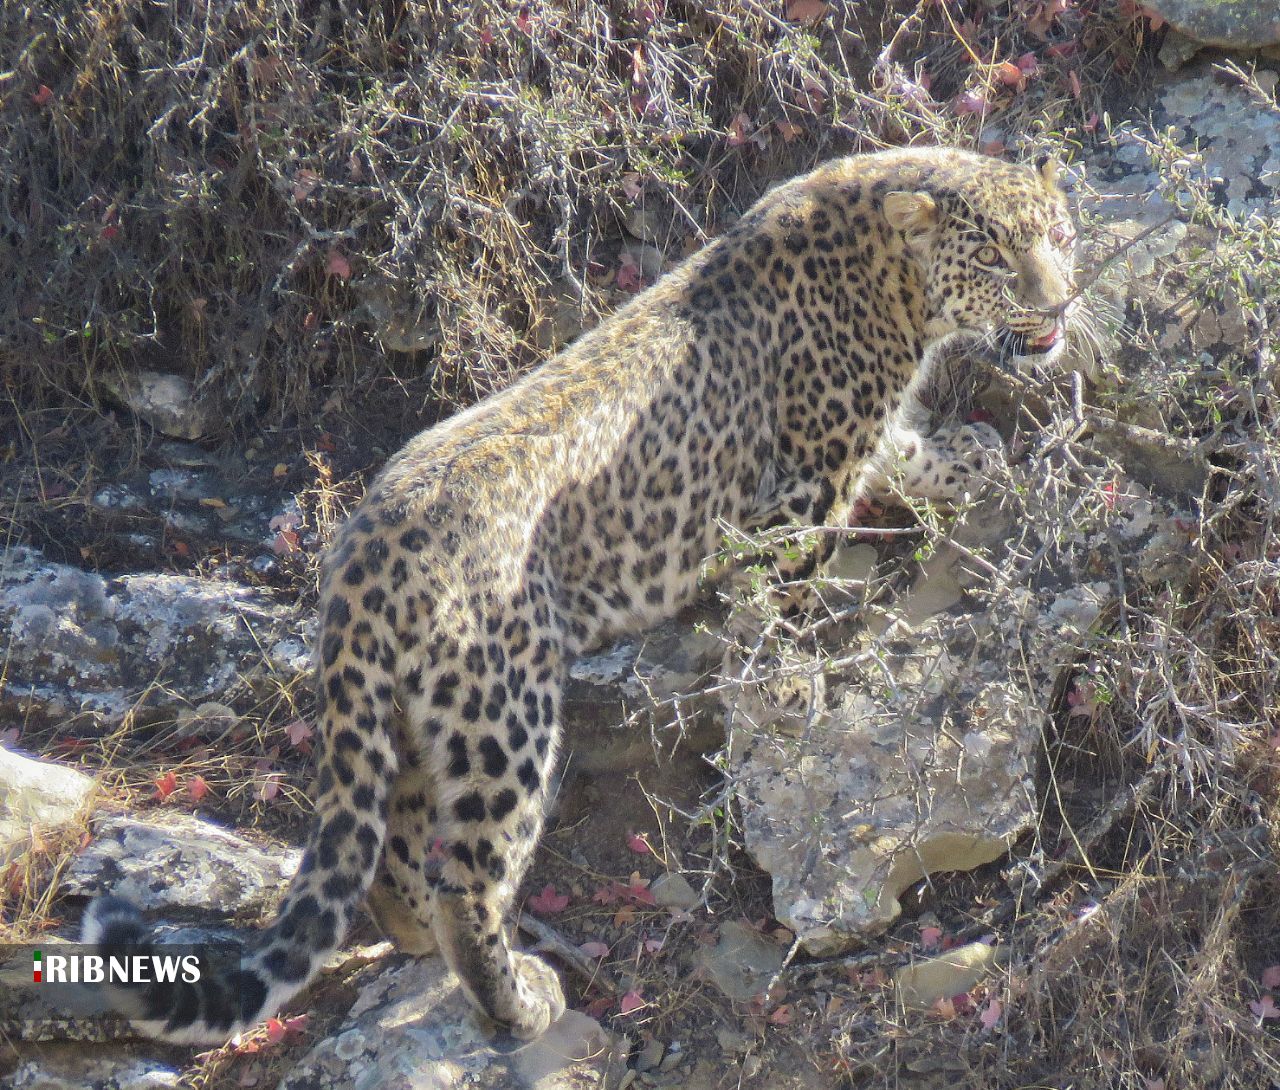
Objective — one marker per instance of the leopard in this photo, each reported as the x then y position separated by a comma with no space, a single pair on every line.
768,380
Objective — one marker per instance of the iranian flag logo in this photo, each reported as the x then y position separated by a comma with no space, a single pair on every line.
35,969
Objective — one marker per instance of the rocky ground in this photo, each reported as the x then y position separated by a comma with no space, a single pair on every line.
877,863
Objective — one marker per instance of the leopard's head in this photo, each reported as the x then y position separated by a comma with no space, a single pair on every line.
996,246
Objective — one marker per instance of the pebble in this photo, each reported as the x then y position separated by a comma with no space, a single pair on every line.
650,1055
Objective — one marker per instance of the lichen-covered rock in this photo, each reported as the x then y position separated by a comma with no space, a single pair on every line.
168,403
923,756
85,650
78,1068
1233,24
179,862
36,796
412,1029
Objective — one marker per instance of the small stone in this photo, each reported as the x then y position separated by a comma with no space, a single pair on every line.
167,402
743,963
673,891
923,983
36,796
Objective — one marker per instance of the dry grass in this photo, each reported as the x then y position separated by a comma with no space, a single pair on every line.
279,200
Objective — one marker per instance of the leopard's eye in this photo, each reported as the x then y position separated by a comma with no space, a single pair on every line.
990,256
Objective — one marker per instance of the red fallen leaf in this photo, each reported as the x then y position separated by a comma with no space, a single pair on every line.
594,949
1109,491
1265,1008
270,787
1010,75
990,1015
652,946
43,95
633,1001
1028,63
1062,49
805,11
625,916
275,1031
788,131
1073,81
629,277
638,844
338,265
326,442
486,36
738,134
197,788
781,1016
930,937
944,1008
639,891
606,894
548,902
298,731
166,785
970,102
1091,123
286,543
110,232
1271,976
524,21
632,186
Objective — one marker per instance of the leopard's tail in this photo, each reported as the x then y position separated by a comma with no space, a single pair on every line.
339,863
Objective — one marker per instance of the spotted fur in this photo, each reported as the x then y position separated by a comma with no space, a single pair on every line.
752,387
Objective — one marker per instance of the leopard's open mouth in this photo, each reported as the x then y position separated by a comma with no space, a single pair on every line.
1023,344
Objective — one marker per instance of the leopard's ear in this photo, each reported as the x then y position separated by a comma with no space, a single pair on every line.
1049,167
911,212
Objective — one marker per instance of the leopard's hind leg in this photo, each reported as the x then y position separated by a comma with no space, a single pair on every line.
492,731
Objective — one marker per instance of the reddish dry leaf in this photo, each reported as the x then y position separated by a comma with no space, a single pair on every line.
930,937
166,785
1265,1008
270,787
338,265
286,543
632,186
197,788
970,102
781,1016
638,844
631,1002
43,95
625,916
548,902
594,949
1271,977
1010,75
739,130
788,131
991,1014
1073,81
629,277
298,731
805,11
